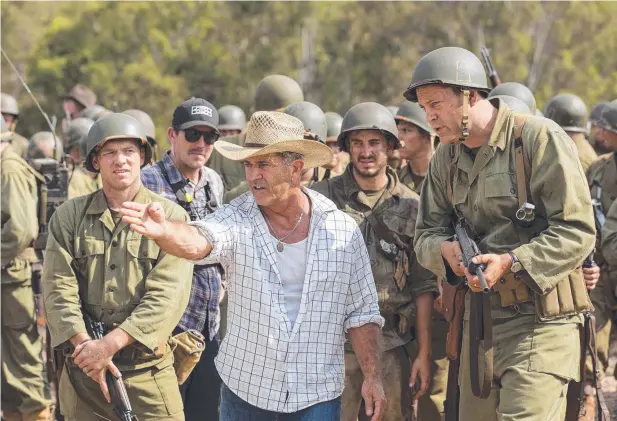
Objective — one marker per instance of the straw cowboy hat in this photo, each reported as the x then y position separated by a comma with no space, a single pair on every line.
273,132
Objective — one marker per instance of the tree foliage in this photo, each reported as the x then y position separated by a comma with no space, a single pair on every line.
152,55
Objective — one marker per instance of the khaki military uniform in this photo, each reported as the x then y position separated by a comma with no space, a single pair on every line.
603,173
396,209
609,239
81,183
536,341
586,153
125,281
431,404
20,145
25,391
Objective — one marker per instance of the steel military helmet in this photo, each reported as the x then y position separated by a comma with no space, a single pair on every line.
452,66
569,111
412,113
145,120
81,94
608,119
94,112
41,145
115,126
596,112
516,90
231,117
8,104
77,132
514,103
334,122
368,116
6,135
393,109
311,116
275,92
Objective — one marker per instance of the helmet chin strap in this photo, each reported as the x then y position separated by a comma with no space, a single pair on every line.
465,125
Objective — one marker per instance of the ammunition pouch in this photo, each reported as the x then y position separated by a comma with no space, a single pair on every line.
187,348
512,290
568,298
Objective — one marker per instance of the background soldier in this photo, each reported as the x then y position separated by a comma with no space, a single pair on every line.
10,113
370,192
232,120
340,159
524,333
516,90
148,125
78,98
596,132
95,265
94,112
570,112
44,145
25,391
602,179
80,180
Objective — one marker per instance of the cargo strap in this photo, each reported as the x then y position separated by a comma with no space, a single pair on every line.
481,337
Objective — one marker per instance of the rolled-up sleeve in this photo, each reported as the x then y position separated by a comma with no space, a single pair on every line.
219,229
362,303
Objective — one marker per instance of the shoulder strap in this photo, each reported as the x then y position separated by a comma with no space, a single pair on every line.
382,231
521,181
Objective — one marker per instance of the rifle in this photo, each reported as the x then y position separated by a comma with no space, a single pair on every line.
469,250
492,73
117,390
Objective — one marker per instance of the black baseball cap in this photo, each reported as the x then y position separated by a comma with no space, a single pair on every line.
195,112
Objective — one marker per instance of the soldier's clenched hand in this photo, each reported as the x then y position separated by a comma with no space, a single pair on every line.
496,267
147,220
451,251
92,356
592,276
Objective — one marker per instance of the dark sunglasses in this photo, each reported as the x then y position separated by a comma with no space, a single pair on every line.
193,135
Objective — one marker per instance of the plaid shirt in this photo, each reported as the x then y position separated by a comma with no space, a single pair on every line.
263,359
206,286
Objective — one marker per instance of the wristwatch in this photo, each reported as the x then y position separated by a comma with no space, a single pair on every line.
517,266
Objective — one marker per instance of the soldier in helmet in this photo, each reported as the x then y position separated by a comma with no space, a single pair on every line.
94,112
385,210
602,179
570,112
95,265
516,90
340,159
596,132
81,182
232,120
77,99
182,171
44,145
146,121
507,179
512,102
274,92
10,114
25,391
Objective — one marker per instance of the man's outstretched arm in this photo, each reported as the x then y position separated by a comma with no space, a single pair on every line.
176,238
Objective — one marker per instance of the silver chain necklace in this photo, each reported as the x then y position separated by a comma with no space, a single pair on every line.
279,246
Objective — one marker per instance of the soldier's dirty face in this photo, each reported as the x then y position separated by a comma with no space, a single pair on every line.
609,140
444,110
414,139
119,163
193,155
368,152
335,155
271,178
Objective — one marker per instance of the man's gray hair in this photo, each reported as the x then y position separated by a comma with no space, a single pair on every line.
289,157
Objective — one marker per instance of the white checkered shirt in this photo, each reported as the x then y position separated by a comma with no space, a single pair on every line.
262,359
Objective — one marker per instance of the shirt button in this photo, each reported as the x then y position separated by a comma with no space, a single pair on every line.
512,191
110,311
145,253
475,207
112,266
114,243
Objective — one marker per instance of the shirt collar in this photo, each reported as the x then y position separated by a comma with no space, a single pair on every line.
503,125
99,202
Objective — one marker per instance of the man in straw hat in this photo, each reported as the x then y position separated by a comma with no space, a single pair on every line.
299,279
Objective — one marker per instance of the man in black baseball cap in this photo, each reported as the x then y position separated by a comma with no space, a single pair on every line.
182,177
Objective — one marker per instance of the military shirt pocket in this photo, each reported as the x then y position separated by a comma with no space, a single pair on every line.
500,194
90,266
143,255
